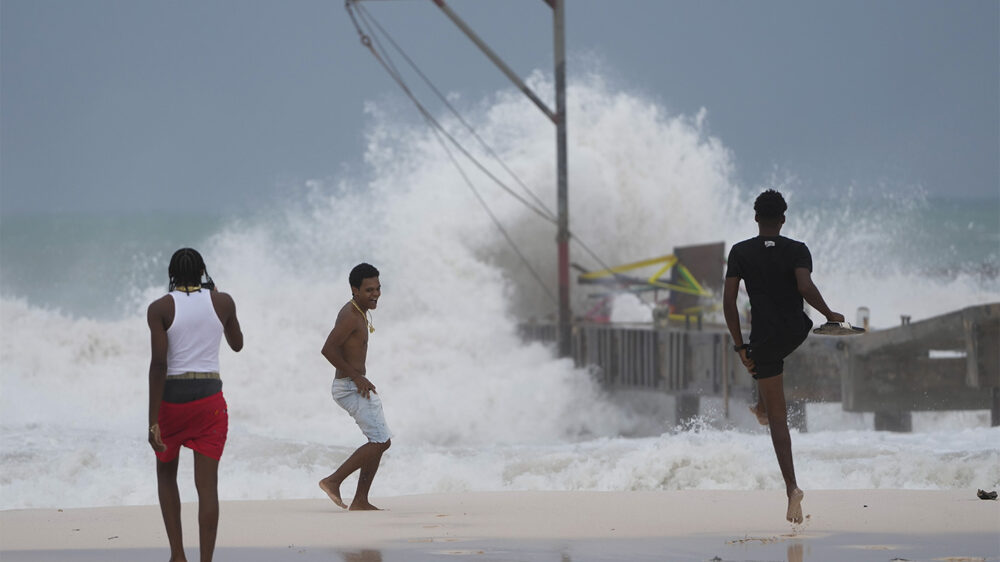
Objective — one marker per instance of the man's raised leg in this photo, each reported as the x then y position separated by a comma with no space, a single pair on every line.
772,394
206,480
170,506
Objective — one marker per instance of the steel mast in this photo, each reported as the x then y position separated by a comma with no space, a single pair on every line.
565,326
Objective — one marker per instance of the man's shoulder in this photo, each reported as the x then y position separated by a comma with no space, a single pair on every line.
793,241
160,303
219,296
223,303
160,311
795,244
743,245
347,313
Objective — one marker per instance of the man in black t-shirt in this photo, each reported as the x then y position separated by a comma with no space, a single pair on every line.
777,272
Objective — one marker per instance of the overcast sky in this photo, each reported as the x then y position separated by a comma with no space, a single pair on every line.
137,105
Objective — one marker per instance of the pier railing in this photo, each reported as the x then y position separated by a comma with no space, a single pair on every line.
686,359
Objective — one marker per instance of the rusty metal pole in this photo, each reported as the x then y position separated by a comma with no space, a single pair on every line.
562,191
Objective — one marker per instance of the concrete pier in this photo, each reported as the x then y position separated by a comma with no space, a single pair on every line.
948,362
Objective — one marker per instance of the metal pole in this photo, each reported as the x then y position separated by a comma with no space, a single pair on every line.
510,74
562,237
564,325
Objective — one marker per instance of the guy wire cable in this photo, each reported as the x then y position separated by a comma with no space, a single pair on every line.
366,40
496,221
389,66
451,108
437,129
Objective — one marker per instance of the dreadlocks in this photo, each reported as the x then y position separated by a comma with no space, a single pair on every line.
186,267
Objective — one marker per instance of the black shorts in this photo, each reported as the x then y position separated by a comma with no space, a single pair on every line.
771,342
765,367
769,357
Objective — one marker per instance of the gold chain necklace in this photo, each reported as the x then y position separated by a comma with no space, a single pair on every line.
371,329
189,289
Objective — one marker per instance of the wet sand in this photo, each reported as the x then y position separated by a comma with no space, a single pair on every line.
720,525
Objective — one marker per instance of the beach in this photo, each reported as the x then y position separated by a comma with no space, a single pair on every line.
675,525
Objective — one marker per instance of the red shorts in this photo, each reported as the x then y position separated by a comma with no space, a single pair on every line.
200,425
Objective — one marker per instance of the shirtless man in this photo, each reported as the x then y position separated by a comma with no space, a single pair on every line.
346,349
777,272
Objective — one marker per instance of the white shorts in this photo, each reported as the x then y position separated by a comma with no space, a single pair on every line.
367,412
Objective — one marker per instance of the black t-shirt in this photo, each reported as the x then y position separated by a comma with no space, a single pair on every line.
767,266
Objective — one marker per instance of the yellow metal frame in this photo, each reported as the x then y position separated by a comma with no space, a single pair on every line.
690,285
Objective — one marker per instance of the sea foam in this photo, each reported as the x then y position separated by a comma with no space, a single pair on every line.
472,407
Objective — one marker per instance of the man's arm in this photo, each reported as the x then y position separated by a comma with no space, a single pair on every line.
732,313
345,325
226,310
809,292
156,319
730,310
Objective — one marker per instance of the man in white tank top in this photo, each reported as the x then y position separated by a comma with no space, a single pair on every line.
186,405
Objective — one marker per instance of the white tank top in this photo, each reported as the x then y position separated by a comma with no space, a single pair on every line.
194,336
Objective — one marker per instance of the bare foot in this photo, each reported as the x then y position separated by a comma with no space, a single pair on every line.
794,513
333,492
761,414
363,506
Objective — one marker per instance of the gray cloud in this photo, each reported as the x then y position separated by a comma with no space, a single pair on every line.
121,105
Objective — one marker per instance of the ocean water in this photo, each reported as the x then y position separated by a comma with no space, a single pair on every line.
472,407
